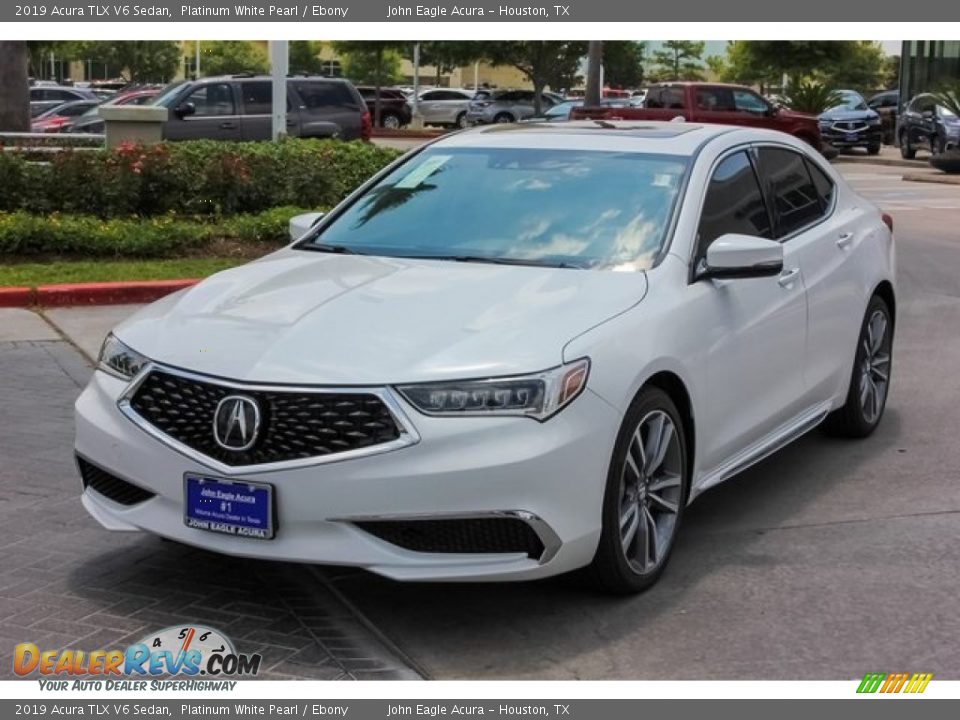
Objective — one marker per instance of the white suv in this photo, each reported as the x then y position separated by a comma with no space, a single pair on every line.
513,353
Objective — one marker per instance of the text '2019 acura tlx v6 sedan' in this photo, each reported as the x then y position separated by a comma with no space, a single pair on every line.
517,351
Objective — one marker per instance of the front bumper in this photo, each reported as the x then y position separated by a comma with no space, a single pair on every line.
841,138
550,475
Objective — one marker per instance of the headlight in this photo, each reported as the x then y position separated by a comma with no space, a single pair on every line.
873,121
539,395
825,123
119,360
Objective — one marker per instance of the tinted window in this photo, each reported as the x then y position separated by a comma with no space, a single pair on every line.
73,110
749,102
714,99
580,208
321,94
734,204
795,199
673,98
823,184
257,98
215,99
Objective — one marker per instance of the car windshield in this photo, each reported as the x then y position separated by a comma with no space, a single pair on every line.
947,112
562,208
850,101
164,96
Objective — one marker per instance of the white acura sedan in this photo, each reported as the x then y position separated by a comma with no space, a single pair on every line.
517,351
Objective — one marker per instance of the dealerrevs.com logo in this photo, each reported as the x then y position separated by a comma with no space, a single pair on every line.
189,650
888,683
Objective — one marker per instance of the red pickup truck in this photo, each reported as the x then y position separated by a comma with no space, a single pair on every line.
710,103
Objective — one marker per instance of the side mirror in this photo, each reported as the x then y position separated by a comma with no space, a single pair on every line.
300,225
741,256
184,109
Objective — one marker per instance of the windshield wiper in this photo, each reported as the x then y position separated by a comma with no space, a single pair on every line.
490,260
327,248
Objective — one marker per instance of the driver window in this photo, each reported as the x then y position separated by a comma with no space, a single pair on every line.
216,99
733,204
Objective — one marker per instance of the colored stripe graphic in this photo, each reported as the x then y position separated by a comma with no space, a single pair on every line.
894,682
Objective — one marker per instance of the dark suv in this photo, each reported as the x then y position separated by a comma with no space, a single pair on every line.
927,125
395,111
886,104
238,107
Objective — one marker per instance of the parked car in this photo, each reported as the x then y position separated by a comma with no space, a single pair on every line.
415,390
238,107
46,97
887,106
395,111
91,122
561,112
445,106
54,121
506,106
851,124
711,103
929,126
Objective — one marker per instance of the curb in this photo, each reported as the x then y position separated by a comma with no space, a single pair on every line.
873,160
16,297
106,293
935,178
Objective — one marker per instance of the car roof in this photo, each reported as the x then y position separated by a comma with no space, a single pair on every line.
668,138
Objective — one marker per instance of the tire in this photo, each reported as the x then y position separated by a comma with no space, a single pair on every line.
873,149
461,121
938,145
391,121
503,117
870,378
639,491
907,151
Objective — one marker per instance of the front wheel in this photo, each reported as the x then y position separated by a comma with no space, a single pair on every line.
870,381
646,491
873,149
502,118
907,151
461,121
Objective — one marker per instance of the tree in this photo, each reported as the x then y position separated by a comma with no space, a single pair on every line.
226,57
14,88
623,63
447,55
544,62
594,63
140,60
861,68
738,65
305,57
374,61
810,97
680,60
798,58
891,71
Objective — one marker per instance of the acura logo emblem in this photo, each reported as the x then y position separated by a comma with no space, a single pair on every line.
236,422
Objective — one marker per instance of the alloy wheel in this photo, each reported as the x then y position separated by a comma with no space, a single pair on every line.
650,492
391,122
875,366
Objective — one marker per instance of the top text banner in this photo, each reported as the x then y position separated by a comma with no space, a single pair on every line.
477,11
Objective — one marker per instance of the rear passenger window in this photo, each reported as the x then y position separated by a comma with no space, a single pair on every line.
320,94
796,202
257,98
823,184
734,204
212,100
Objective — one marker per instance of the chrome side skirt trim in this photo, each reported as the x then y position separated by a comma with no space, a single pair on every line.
764,448
408,433
551,541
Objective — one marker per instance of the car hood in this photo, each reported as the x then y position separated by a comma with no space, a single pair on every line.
835,115
314,318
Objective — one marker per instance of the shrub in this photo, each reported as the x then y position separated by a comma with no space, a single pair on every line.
23,233
190,178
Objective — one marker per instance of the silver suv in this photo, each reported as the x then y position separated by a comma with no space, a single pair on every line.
238,107
506,106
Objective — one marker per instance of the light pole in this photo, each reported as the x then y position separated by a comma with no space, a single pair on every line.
279,66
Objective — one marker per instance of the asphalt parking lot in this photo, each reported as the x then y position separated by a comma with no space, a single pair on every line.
830,559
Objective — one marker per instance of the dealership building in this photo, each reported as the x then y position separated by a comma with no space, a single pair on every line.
926,65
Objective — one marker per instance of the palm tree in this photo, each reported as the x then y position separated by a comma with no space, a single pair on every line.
949,97
14,88
810,97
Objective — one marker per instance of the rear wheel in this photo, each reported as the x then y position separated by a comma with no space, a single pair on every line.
646,491
907,151
391,121
461,121
870,381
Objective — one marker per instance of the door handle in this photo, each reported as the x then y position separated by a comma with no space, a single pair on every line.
228,126
788,277
844,240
